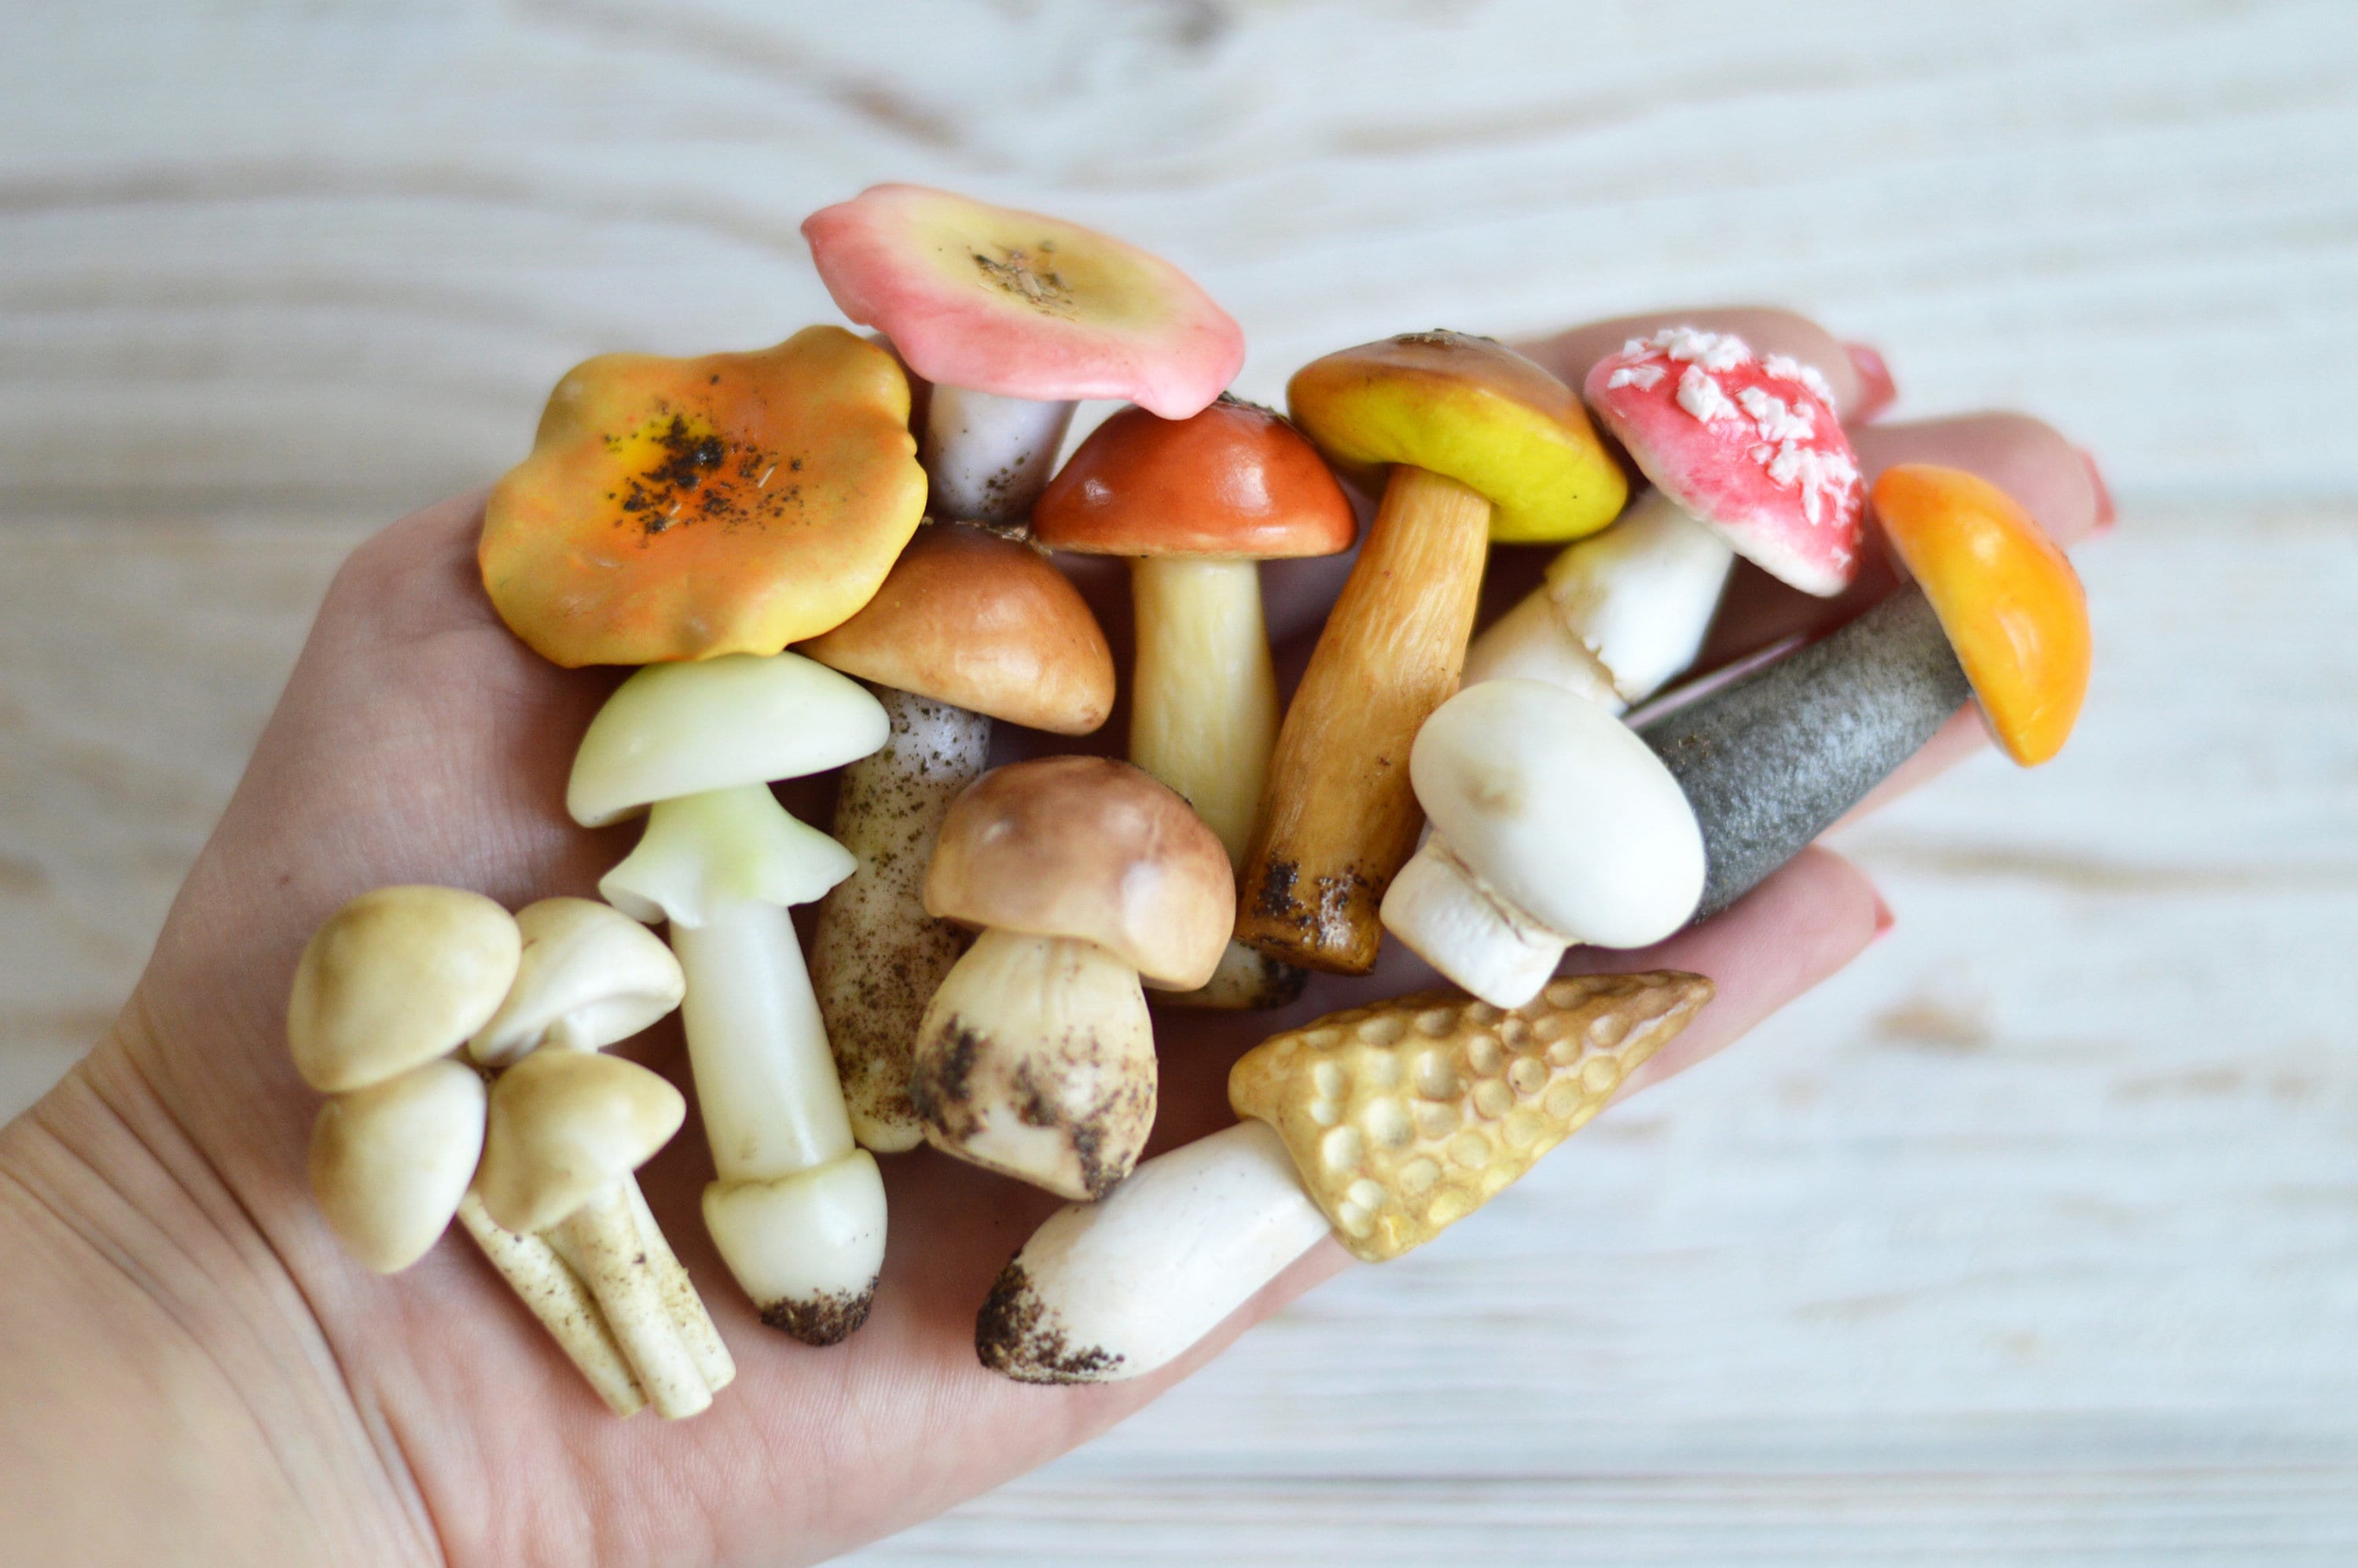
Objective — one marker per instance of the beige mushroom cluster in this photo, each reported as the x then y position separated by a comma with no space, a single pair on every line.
404,999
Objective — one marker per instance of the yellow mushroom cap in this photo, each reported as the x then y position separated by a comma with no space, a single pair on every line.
396,977
2008,598
684,508
563,1124
390,1162
1474,410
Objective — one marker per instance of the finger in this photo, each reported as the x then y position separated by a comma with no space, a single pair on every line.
1862,383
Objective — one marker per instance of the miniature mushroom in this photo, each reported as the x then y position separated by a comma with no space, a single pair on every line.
680,509
969,628
1384,1125
389,1162
1482,445
1552,824
1036,1057
1770,761
797,1212
1746,457
1195,504
1012,315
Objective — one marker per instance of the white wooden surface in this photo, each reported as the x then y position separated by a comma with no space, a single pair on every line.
2034,1238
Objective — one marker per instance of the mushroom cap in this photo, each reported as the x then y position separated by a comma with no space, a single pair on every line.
674,729
1750,445
983,623
677,508
1092,850
565,1123
587,966
390,1162
1561,807
1472,409
1235,480
395,977
2012,608
1003,301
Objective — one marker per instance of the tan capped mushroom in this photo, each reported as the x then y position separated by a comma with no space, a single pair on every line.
588,975
1398,1119
389,1162
970,627
395,978
1475,443
1036,1055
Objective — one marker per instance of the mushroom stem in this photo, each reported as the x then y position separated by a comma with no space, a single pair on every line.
773,1113
1203,718
1340,817
986,456
876,954
1622,611
681,1302
1114,1290
1772,761
1465,928
556,1296
605,1248
1036,1059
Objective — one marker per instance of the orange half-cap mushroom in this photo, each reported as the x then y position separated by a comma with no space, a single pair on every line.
2010,603
985,623
682,509
1474,410
1004,301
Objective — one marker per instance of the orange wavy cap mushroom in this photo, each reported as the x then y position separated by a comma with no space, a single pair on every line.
683,509
2010,603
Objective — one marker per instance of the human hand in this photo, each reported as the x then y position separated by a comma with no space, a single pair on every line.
159,1198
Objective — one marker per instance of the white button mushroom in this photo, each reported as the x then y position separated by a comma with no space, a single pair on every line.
1552,824
390,1162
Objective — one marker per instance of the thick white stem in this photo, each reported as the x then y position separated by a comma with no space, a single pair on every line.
1468,930
1202,720
548,1286
602,1242
877,956
1116,1289
987,456
1632,605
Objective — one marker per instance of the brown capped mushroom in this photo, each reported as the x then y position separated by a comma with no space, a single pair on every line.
1036,1057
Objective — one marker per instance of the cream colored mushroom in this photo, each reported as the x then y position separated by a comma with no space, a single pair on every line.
590,975
390,1162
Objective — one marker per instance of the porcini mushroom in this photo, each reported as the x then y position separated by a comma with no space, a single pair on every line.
1012,315
1196,504
1746,458
591,976
1036,1057
680,509
1552,824
1482,444
797,1211
1384,1125
970,627
1768,763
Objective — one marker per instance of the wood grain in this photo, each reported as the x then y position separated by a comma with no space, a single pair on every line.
2035,1237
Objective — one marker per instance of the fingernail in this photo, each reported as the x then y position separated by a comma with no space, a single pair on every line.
1875,388
2104,515
1884,921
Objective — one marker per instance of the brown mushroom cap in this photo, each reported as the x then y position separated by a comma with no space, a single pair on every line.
984,623
1092,850
1235,480
565,1123
395,977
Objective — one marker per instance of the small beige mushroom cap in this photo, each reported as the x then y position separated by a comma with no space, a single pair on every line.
590,976
563,1125
390,1162
1092,850
395,978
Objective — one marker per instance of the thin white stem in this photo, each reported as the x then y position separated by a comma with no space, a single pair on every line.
602,1241
556,1296
704,1347
876,956
987,456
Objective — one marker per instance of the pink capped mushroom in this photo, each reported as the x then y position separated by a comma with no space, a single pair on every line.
1746,456
1013,317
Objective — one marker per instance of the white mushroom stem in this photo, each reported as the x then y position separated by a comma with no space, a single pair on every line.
686,1308
556,1296
876,954
1202,720
1620,612
1117,1289
986,456
1468,930
603,1243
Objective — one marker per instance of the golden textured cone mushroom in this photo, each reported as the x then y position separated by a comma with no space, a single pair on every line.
1407,1116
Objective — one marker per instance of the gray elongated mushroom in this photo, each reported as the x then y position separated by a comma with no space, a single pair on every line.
969,628
798,1211
1996,613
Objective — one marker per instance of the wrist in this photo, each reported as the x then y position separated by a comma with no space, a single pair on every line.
172,1395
